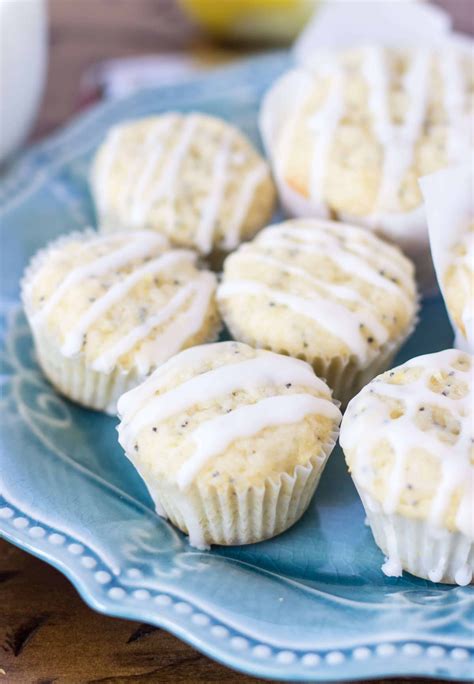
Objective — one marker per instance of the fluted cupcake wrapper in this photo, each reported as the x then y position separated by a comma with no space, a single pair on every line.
229,516
347,378
416,546
343,374
73,377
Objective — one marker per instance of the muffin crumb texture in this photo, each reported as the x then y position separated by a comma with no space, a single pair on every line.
194,178
229,440
408,441
332,294
115,307
370,122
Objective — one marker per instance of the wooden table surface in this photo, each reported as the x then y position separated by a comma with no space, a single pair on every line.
47,633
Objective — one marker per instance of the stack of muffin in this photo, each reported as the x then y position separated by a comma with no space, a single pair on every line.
231,437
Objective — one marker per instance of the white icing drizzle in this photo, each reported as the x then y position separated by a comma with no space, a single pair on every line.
392,567
106,361
338,290
322,240
351,242
404,435
181,329
160,398
463,575
214,436
193,524
398,141
247,375
141,189
436,574
212,202
131,402
142,407
153,151
74,339
138,246
324,124
332,312
243,202
166,184
341,322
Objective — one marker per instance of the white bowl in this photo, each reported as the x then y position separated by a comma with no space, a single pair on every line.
23,53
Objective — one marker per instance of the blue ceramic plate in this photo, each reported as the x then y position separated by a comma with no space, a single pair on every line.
311,604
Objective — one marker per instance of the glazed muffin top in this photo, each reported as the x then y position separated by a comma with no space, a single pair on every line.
368,122
225,413
408,440
194,178
458,281
123,300
314,288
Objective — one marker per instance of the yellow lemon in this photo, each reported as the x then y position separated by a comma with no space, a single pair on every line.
276,20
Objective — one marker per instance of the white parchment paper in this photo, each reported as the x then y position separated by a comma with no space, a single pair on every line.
395,23
449,205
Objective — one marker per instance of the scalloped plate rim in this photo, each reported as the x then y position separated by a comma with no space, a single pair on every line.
226,657
399,665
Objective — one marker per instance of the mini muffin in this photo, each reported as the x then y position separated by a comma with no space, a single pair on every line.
332,294
459,286
105,311
230,441
350,138
408,441
193,178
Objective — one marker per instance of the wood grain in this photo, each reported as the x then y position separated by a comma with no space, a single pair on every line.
87,32
47,633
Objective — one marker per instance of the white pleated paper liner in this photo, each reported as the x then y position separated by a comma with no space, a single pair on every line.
449,205
413,545
75,376
228,516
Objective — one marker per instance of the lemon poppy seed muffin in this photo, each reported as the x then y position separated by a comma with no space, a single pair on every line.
357,131
194,178
106,310
230,441
408,441
332,294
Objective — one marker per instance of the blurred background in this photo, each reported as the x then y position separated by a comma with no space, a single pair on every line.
69,54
